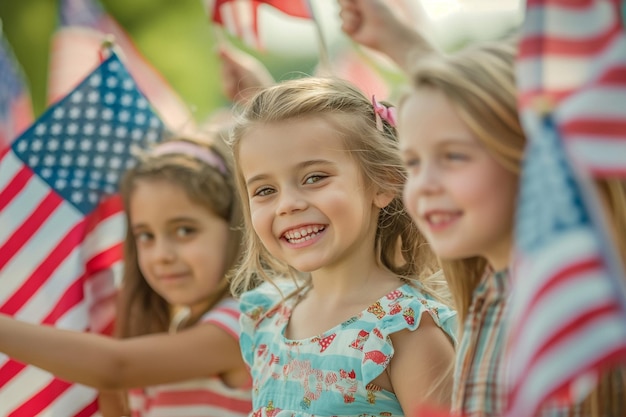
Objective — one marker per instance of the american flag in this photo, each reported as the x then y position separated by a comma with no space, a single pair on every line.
573,53
62,226
240,17
568,305
75,52
16,112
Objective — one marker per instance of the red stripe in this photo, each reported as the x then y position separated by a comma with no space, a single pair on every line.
26,230
72,296
586,318
608,128
542,45
38,402
200,397
9,370
564,4
543,289
105,259
103,211
40,276
15,186
89,410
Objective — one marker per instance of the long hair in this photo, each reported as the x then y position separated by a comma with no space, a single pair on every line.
400,247
480,83
140,309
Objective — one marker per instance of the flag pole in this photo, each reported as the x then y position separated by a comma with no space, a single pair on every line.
324,56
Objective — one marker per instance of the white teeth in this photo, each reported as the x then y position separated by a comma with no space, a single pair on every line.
439,218
303,234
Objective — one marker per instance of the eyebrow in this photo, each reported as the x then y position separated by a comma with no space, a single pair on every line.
301,165
182,219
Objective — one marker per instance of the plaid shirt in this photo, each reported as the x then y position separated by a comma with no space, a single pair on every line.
479,386
478,391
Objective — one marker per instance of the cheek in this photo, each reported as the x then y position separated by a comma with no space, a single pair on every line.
409,198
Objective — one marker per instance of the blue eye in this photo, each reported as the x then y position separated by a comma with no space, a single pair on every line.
411,162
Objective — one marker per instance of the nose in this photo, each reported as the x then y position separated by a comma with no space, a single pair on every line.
163,251
425,181
290,201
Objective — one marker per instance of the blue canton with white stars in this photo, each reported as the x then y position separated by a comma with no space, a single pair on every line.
550,198
83,144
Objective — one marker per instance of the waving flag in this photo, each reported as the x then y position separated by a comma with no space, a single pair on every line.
574,53
16,112
75,52
240,17
568,305
62,226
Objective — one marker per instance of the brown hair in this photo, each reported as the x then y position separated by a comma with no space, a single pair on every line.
401,248
140,309
480,83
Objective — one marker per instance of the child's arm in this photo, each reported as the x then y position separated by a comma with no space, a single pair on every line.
422,366
113,403
105,363
374,23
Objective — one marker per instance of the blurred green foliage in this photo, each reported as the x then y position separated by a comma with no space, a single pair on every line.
176,36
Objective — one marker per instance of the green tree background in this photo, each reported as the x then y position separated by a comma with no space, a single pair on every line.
175,36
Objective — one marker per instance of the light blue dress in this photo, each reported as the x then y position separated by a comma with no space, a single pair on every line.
330,374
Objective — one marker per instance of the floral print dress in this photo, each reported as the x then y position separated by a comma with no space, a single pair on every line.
330,374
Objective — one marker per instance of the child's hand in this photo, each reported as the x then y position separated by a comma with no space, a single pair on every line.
242,75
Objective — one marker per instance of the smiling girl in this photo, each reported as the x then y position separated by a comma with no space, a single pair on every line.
345,318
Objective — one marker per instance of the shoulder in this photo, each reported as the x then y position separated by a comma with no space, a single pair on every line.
255,303
405,308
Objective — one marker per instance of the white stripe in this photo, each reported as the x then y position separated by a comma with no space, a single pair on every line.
571,23
576,244
583,293
21,388
71,401
603,103
37,248
551,72
107,233
9,166
597,153
595,341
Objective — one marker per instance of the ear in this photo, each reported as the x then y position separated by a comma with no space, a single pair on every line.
383,198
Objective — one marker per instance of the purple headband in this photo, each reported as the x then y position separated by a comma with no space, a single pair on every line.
188,148
385,113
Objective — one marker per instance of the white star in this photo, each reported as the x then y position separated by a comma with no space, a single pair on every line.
128,84
107,114
109,98
66,160
105,130
58,113
49,160
111,82
126,100
36,145
140,118
72,129
56,129
88,129
91,113
69,144
33,160
40,129
75,112
93,97
123,116
121,131
52,144
99,161
76,97
46,172
82,160
77,197
85,144
102,145
60,184
95,80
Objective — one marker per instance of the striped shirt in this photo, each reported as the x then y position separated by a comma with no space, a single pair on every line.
207,397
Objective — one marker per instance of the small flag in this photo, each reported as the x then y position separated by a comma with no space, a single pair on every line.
16,112
568,303
240,17
62,226
75,52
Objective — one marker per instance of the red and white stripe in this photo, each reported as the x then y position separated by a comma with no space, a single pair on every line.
555,351
574,54
57,268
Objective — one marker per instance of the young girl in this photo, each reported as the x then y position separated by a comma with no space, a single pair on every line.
183,236
462,144
342,320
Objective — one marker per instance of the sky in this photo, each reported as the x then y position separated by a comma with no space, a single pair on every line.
448,21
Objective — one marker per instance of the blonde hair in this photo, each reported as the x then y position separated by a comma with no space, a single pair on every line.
480,83
140,309
400,246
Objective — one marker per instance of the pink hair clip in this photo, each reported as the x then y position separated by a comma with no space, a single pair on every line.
383,112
